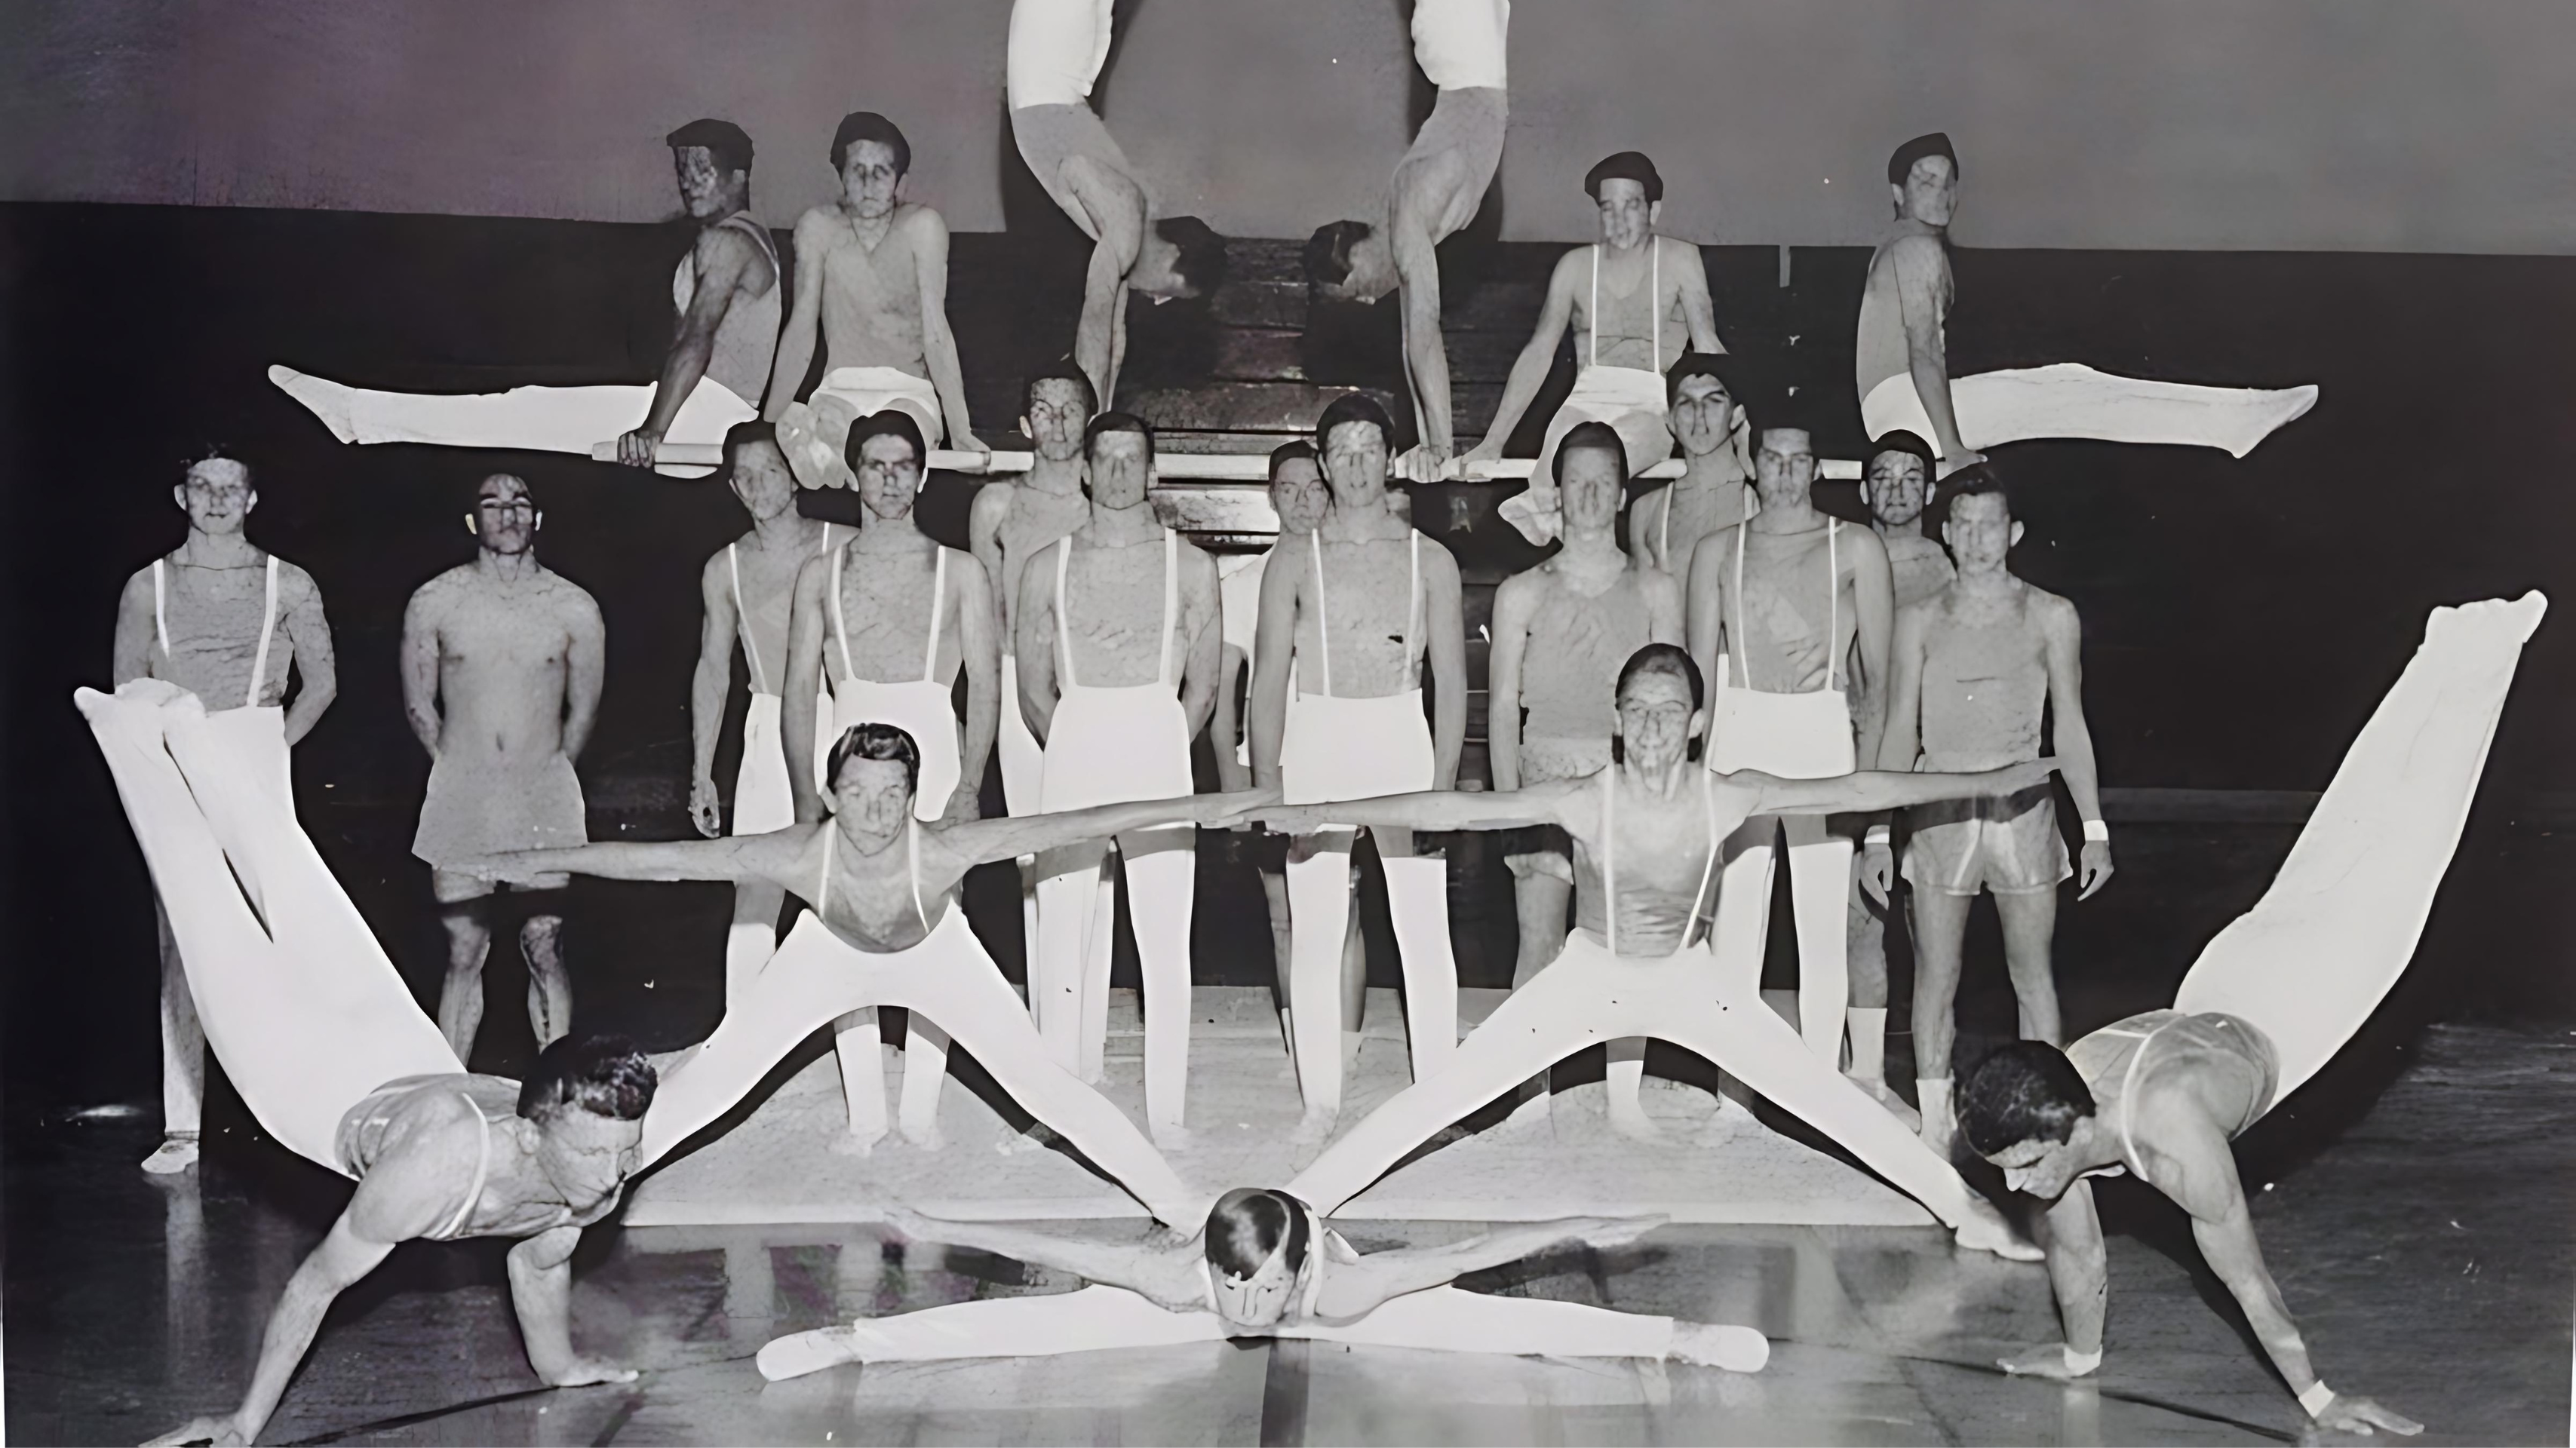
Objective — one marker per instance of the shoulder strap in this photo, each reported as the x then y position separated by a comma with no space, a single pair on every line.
1664,542
823,884
1655,300
267,629
1592,319
1323,621
1833,601
160,611
841,625
912,848
1413,605
1734,625
1063,626
1171,607
742,220
938,609
742,622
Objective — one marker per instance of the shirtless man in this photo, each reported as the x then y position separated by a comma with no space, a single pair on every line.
1646,834
1790,613
1437,189
1354,728
1561,633
872,277
726,294
1902,367
1118,644
1265,1265
1715,491
1014,519
1616,293
224,621
502,664
1975,668
745,590
444,1158
1056,50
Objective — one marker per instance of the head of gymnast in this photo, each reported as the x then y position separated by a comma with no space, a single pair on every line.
1265,1265
440,1158
2159,1096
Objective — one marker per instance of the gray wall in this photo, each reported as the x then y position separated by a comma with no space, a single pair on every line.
2398,125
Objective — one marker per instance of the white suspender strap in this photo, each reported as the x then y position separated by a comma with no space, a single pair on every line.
1735,625
160,613
912,847
938,608
1833,602
1593,357
1664,542
1655,300
267,629
1171,607
1063,625
742,616
1323,621
1412,603
841,625
482,1169
823,883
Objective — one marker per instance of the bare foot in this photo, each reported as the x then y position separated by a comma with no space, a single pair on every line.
1714,1345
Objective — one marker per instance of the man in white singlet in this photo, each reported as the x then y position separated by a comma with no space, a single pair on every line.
1437,189
746,590
725,293
446,1158
1715,491
1119,638
1056,50
1012,520
1355,609
872,278
1265,1265
892,617
1634,300
1646,833
226,622
1975,670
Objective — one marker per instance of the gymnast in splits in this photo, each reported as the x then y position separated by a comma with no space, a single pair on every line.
1265,1265
1635,964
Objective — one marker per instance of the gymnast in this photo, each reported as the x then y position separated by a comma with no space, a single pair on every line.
1265,1265
1715,491
887,929
1634,965
1056,50
1619,368
1902,364
445,1157
1010,522
872,277
1436,190
726,294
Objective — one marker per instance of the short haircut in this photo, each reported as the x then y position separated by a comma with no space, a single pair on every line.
1065,370
1590,437
1202,262
860,126
1977,480
1937,143
2024,1091
1670,659
1719,365
1625,166
728,143
1247,1224
744,434
603,1075
1288,452
1103,424
1901,441
873,741
1354,407
892,422
213,452
1328,251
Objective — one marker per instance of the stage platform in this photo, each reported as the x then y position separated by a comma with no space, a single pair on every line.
778,1164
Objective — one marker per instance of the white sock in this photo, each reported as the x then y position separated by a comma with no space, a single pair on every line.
1868,1025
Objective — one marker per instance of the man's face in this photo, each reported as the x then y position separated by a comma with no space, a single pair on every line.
1656,720
871,799
889,476
1897,485
1703,415
1930,193
587,1154
1626,215
505,516
217,496
1785,466
703,188
1592,488
868,179
2040,1168
761,479
1120,469
1355,462
1261,1299
1055,420
1980,531
1298,495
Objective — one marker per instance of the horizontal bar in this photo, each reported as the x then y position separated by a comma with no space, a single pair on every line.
1204,467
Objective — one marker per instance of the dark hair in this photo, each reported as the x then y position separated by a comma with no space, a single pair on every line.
1702,364
1977,480
2025,1091
1288,452
873,741
1062,369
1901,164
1201,264
1103,424
892,422
860,126
1589,437
1328,251
728,143
743,434
1902,441
1354,407
213,452
1625,166
603,1075
1670,659
1247,1224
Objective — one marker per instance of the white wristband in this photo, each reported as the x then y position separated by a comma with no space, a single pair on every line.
2097,832
1875,836
2080,1363
2316,1398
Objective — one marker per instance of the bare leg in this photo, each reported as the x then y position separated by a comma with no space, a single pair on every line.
1417,897
1094,1317
2030,928
460,996
183,1059
1867,1017
857,1040
753,935
1940,934
1162,869
1274,894
1319,908
549,984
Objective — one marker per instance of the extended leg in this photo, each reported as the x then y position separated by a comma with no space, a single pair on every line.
1940,936
1068,883
1162,869
2068,399
859,1042
1448,1319
183,1058
1319,911
549,983
1094,1317
1865,934
542,419
2030,928
1742,928
1820,882
1099,952
925,1075
1539,902
1417,899
752,937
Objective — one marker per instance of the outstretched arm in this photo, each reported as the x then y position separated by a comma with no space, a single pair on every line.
334,1267
1354,1290
724,260
983,842
1167,1276
541,1290
1873,790
938,343
1434,809
735,857
1529,370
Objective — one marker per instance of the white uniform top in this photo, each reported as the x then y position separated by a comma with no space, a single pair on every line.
1460,43
1056,50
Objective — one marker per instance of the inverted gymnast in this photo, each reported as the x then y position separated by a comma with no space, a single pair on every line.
1628,330
887,929
726,294
1715,491
1057,48
872,278
1902,366
1436,190
444,1158
1635,964
746,592
1265,1265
